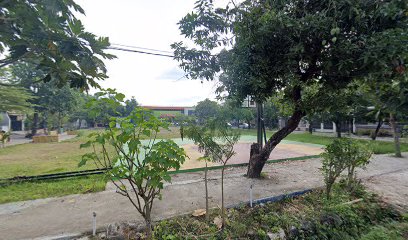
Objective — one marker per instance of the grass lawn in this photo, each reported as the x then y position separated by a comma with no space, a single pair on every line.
379,147
51,188
44,158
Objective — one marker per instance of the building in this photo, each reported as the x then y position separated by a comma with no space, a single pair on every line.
11,121
249,103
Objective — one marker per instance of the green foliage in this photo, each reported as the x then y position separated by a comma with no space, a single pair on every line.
51,188
304,51
217,141
206,109
138,169
103,105
49,35
269,47
340,155
15,99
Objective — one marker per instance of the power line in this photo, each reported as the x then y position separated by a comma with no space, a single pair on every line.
143,48
138,51
109,47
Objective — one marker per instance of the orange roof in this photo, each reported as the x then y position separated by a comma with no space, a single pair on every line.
164,108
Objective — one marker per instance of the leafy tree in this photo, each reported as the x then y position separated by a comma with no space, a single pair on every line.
393,99
340,155
13,98
57,101
49,35
105,104
271,115
80,111
138,169
129,106
286,47
248,114
206,109
232,110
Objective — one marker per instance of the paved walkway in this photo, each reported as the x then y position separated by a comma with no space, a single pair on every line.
72,214
19,138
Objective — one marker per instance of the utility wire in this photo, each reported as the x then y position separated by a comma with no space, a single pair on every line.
138,51
143,48
55,38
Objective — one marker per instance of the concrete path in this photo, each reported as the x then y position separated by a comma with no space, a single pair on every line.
19,138
72,214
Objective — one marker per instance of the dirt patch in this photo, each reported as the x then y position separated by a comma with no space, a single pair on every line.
283,150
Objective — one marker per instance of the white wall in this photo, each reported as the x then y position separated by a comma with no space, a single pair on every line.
5,122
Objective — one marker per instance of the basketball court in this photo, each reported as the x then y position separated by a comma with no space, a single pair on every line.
286,149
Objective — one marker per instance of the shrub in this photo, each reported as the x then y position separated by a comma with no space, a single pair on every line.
138,169
340,155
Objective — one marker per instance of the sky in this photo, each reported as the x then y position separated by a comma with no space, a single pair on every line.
152,80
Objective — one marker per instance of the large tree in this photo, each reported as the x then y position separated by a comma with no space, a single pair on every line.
206,109
48,34
272,46
13,98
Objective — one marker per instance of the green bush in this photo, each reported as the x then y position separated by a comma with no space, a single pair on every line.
404,132
343,154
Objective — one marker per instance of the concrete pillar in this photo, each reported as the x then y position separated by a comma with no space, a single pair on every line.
334,128
322,126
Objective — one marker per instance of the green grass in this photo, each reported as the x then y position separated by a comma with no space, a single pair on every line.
45,158
378,147
51,188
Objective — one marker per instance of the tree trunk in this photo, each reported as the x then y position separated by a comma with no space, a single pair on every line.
207,213
45,123
377,129
338,128
35,124
148,220
396,135
257,161
222,197
310,128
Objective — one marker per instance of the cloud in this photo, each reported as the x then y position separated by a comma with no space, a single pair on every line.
174,74
153,80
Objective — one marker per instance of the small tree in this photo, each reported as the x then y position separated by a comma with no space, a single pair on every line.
137,168
334,163
217,141
340,155
358,155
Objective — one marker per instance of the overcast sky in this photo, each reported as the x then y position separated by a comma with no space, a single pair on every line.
152,80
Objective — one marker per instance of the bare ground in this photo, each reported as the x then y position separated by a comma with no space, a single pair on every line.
386,175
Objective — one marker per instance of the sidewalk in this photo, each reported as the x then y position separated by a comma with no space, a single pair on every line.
73,214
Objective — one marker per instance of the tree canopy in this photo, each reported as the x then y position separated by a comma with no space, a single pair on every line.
48,34
206,109
296,48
